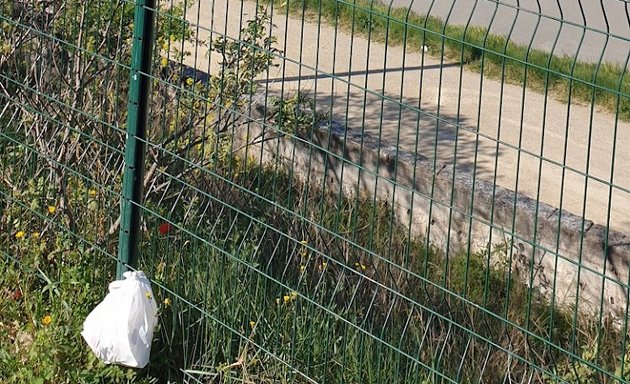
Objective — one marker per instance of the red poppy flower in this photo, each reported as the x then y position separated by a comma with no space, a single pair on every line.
17,294
165,229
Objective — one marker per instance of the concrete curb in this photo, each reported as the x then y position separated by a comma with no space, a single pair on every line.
554,251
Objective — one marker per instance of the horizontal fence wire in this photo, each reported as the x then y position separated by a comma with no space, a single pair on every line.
337,191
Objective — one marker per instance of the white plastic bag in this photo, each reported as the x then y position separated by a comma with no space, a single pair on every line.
120,329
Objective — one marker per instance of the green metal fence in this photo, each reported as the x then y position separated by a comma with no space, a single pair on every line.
332,191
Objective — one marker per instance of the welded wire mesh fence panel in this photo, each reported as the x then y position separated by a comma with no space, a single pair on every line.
63,82
64,75
359,191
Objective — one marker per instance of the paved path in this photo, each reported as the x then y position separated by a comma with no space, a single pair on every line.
465,103
600,17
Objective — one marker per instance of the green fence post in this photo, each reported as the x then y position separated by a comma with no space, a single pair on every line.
139,88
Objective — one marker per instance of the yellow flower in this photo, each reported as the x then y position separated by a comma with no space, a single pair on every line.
46,320
252,324
167,302
303,242
363,267
92,192
302,268
293,295
35,235
164,62
189,81
20,234
324,264
286,298
51,209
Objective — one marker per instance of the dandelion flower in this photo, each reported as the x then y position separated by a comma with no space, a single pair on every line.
189,81
252,324
20,234
46,320
286,298
302,268
167,302
36,235
92,192
51,209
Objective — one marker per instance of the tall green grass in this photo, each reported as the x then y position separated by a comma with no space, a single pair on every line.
265,279
340,293
567,79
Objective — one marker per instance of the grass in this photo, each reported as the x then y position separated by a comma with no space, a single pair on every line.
604,85
350,297
249,292
51,279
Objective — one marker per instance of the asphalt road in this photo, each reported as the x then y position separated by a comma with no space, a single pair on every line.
522,140
561,29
